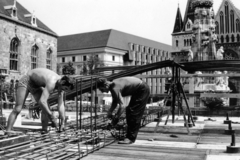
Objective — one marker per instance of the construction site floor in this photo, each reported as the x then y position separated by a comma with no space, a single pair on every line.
207,141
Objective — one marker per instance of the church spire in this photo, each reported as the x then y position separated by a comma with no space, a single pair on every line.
178,21
189,13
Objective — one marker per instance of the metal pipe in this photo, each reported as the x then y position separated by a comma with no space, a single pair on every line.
81,103
76,99
91,106
96,106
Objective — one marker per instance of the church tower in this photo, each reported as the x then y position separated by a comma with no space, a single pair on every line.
182,33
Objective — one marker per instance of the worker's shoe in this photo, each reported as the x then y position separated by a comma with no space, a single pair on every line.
62,128
126,141
44,132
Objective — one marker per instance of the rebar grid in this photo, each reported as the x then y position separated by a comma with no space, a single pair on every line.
70,143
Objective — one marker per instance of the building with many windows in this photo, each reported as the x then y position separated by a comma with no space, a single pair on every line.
114,48
227,28
25,42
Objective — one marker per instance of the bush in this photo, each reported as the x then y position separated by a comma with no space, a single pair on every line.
213,103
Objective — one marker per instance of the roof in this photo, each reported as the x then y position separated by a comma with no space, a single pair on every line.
237,11
189,13
178,22
106,38
21,11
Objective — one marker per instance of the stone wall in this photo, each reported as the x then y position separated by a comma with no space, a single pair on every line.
28,37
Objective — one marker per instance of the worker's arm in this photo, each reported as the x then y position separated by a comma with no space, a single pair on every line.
61,109
116,99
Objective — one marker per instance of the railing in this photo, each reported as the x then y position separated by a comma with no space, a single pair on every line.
204,57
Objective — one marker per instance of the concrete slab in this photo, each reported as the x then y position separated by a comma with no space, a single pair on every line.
212,146
165,144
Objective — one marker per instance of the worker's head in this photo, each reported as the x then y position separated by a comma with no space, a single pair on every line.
103,85
66,83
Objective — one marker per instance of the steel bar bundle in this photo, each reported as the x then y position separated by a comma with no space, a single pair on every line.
87,83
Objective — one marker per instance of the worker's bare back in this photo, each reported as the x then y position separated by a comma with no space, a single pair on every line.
43,77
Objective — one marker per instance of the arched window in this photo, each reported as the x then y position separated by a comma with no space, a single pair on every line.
14,46
221,23
237,26
190,42
238,38
176,43
232,21
233,38
185,42
227,17
49,59
222,39
188,25
34,56
217,27
227,38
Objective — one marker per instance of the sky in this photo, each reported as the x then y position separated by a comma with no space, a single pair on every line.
151,19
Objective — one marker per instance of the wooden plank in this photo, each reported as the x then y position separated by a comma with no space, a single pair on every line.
132,151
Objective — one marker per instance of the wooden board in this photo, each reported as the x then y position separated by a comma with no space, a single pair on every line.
132,152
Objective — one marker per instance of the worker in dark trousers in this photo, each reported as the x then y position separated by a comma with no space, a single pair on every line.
139,92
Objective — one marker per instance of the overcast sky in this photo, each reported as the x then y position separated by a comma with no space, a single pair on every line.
151,19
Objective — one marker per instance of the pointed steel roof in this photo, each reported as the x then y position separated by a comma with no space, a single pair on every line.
189,13
178,26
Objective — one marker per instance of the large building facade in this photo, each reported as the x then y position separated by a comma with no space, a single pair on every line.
25,42
226,27
114,48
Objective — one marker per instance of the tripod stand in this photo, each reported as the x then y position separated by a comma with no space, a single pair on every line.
176,93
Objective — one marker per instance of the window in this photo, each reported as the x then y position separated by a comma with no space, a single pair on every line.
188,25
227,17
14,12
217,27
63,59
113,58
232,21
237,26
34,56
222,39
233,38
14,54
227,38
49,59
84,58
73,59
221,23
176,43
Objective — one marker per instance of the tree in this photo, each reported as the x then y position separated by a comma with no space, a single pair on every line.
89,67
58,68
68,69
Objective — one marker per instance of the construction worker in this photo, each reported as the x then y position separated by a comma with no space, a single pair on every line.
123,87
40,82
